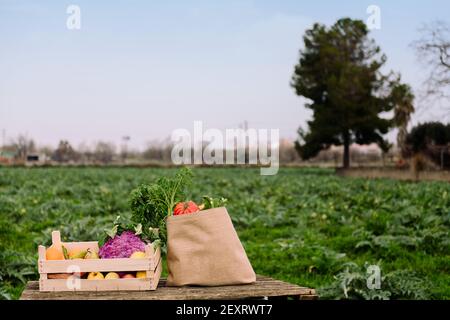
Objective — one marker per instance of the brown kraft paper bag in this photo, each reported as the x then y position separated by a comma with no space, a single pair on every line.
203,249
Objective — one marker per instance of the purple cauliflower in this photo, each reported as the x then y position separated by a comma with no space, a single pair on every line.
121,246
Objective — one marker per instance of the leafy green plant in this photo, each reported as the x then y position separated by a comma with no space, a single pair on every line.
4,295
152,204
14,268
210,202
405,284
301,226
351,283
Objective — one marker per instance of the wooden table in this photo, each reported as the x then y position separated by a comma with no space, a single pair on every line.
264,287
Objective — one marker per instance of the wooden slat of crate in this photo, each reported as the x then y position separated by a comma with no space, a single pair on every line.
97,285
99,265
84,245
154,281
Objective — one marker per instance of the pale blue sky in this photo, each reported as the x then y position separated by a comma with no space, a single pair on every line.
144,68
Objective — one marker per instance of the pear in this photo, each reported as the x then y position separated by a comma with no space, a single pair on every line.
91,254
77,254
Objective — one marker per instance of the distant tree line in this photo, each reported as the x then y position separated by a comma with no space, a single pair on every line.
23,146
105,153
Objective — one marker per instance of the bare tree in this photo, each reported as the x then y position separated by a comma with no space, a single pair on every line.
158,150
104,152
124,153
85,151
287,152
23,145
65,152
433,49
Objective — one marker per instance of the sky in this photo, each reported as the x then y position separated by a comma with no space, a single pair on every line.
145,68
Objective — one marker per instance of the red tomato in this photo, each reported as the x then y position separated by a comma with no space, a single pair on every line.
185,207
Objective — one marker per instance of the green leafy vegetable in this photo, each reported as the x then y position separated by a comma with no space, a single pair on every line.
210,202
151,204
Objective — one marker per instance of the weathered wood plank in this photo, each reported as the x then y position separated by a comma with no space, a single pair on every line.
97,285
264,287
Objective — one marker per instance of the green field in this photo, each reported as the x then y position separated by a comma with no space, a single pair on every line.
305,226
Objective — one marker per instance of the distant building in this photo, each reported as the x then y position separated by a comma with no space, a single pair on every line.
7,157
34,158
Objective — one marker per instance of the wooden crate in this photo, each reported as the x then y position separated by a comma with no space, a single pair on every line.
151,264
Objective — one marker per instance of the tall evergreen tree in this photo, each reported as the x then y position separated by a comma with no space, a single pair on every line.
339,72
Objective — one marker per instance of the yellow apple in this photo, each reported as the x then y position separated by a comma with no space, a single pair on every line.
112,275
138,255
141,274
95,276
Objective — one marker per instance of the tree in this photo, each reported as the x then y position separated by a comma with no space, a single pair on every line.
427,134
64,152
429,140
433,49
85,152
22,146
402,98
104,152
338,72
158,150
124,153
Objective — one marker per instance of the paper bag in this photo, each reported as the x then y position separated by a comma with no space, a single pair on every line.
204,249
